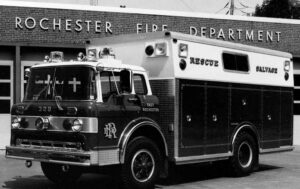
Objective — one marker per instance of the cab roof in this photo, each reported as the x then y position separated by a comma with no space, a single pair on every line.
104,63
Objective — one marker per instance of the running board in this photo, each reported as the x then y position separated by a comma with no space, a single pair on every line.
274,150
202,158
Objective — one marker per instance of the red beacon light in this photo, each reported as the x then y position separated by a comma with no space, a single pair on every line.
107,53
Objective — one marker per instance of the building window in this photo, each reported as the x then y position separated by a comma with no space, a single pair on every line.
6,88
235,62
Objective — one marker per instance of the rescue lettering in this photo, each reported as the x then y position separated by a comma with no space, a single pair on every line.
265,69
204,62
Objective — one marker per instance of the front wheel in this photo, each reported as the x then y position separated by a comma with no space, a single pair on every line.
61,174
142,164
245,155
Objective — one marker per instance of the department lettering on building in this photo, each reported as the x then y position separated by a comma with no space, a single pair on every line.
99,26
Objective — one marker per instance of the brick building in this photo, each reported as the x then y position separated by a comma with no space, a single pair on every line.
29,31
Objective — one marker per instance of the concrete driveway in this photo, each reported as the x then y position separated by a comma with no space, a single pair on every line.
276,171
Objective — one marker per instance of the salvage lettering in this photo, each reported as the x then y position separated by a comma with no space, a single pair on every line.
265,69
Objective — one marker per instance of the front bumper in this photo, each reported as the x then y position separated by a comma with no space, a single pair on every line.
79,158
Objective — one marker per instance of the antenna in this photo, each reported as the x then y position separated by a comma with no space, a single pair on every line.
94,2
232,7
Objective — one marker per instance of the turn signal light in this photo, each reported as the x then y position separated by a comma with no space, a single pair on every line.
77,125
16,123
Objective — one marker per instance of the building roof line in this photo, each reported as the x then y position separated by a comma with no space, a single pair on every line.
145,11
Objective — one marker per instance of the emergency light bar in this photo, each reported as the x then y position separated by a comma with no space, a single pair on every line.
55,56
156,49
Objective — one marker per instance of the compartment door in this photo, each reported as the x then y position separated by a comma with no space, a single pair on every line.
286,130
217,136
192,120
271,119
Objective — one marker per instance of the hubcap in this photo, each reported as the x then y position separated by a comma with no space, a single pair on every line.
142,165
245,154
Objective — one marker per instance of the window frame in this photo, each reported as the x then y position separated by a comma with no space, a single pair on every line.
143,82
236,54
82,100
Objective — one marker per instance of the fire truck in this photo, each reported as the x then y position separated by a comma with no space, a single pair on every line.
143,102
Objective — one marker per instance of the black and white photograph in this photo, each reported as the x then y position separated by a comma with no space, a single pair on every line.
139,94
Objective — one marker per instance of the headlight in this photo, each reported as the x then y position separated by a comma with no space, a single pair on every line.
42,123
16,123
77,125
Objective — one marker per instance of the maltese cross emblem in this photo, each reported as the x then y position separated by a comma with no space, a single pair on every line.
110,130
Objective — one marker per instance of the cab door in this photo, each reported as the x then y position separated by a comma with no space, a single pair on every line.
118,108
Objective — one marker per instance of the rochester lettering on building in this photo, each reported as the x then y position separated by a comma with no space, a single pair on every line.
104,26
59,24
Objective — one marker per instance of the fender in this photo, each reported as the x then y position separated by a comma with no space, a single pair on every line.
131,128
241,127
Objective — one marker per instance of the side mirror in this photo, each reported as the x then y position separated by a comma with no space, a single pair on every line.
27,73
125,81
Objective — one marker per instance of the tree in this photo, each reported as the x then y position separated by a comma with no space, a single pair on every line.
277,9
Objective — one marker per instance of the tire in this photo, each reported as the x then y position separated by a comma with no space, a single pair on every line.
57,174
245,155
142,164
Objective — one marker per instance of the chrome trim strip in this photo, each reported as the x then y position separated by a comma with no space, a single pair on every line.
100,158
239,129
273,150
202,158
51,161
81,153
129,133
90,124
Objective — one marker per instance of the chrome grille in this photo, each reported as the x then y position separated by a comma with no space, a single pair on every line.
50,145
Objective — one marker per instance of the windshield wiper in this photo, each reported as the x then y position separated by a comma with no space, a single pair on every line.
57,98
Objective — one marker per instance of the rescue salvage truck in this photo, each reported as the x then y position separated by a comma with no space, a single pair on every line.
139,103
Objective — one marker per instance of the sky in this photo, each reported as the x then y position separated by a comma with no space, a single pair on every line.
203,6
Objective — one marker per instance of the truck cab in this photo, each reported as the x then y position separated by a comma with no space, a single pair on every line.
81,113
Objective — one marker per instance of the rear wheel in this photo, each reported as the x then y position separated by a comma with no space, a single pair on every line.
245,155
61,174
142,164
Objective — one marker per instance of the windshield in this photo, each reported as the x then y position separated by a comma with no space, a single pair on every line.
64,83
